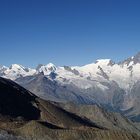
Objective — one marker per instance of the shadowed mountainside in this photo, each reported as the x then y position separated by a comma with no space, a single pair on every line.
23,114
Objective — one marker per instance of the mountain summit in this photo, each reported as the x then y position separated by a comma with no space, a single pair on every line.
132,60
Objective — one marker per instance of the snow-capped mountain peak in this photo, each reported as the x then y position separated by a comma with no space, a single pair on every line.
124,74
132,60
51,66
3,67
47,69
103,62
15,71
16,67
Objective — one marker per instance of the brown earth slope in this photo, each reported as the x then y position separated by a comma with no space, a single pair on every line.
23,114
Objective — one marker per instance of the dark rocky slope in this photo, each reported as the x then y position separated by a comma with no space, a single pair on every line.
25,115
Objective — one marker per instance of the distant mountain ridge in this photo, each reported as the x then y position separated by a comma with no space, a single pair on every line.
116,86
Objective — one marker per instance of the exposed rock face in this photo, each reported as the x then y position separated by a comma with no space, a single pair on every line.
134,60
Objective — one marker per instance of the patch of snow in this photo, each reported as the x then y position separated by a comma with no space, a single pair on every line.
88,75
131,63
47,69
132,57
102,62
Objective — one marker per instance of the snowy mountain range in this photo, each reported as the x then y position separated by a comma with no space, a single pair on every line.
116,86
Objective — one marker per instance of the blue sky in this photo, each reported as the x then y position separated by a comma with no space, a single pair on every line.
68,32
